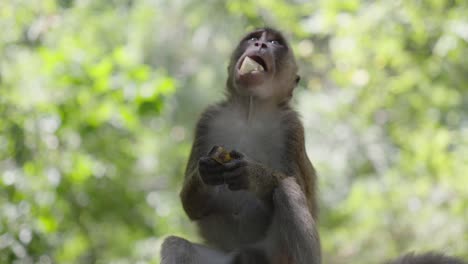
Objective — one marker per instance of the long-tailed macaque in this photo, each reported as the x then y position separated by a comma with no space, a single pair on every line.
260,206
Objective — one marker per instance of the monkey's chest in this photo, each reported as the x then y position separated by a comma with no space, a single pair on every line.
260,139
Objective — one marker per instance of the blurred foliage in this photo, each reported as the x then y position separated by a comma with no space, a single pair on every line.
98,100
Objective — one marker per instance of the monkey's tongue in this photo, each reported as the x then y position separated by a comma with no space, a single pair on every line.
249,65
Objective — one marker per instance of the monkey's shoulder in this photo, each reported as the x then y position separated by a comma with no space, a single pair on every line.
291,120
206,117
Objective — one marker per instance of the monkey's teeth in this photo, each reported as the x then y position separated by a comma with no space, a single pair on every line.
249,65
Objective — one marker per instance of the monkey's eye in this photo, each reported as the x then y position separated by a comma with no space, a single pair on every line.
253,39
275,42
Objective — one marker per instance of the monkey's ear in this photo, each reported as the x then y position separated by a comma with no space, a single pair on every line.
298,78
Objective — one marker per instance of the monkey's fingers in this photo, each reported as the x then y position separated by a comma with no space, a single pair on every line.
207,164
208,161
236,180
236,154
234,164
214,150
212,179
235,174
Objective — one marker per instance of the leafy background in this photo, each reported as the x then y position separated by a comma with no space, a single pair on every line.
98,100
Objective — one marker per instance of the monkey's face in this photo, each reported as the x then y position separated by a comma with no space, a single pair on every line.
263,66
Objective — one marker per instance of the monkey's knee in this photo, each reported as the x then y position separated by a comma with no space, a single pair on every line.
427,258
177,250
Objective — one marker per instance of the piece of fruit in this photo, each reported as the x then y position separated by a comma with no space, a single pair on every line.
220,154
250,65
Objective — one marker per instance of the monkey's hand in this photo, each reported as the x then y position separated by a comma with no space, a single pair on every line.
240,173
231,173
244,173
235,173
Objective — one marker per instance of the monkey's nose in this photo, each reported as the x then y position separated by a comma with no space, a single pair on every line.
260,44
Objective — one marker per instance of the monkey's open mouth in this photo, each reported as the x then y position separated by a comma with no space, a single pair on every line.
252,64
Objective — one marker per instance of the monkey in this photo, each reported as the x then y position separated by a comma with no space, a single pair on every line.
426,258
260,205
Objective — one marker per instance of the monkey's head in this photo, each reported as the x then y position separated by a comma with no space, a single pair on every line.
263,66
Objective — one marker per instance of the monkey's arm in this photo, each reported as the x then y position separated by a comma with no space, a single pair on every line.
263,180
295,205
196,196
293,227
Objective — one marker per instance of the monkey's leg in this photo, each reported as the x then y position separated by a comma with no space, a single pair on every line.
176,250
292,236
250,256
